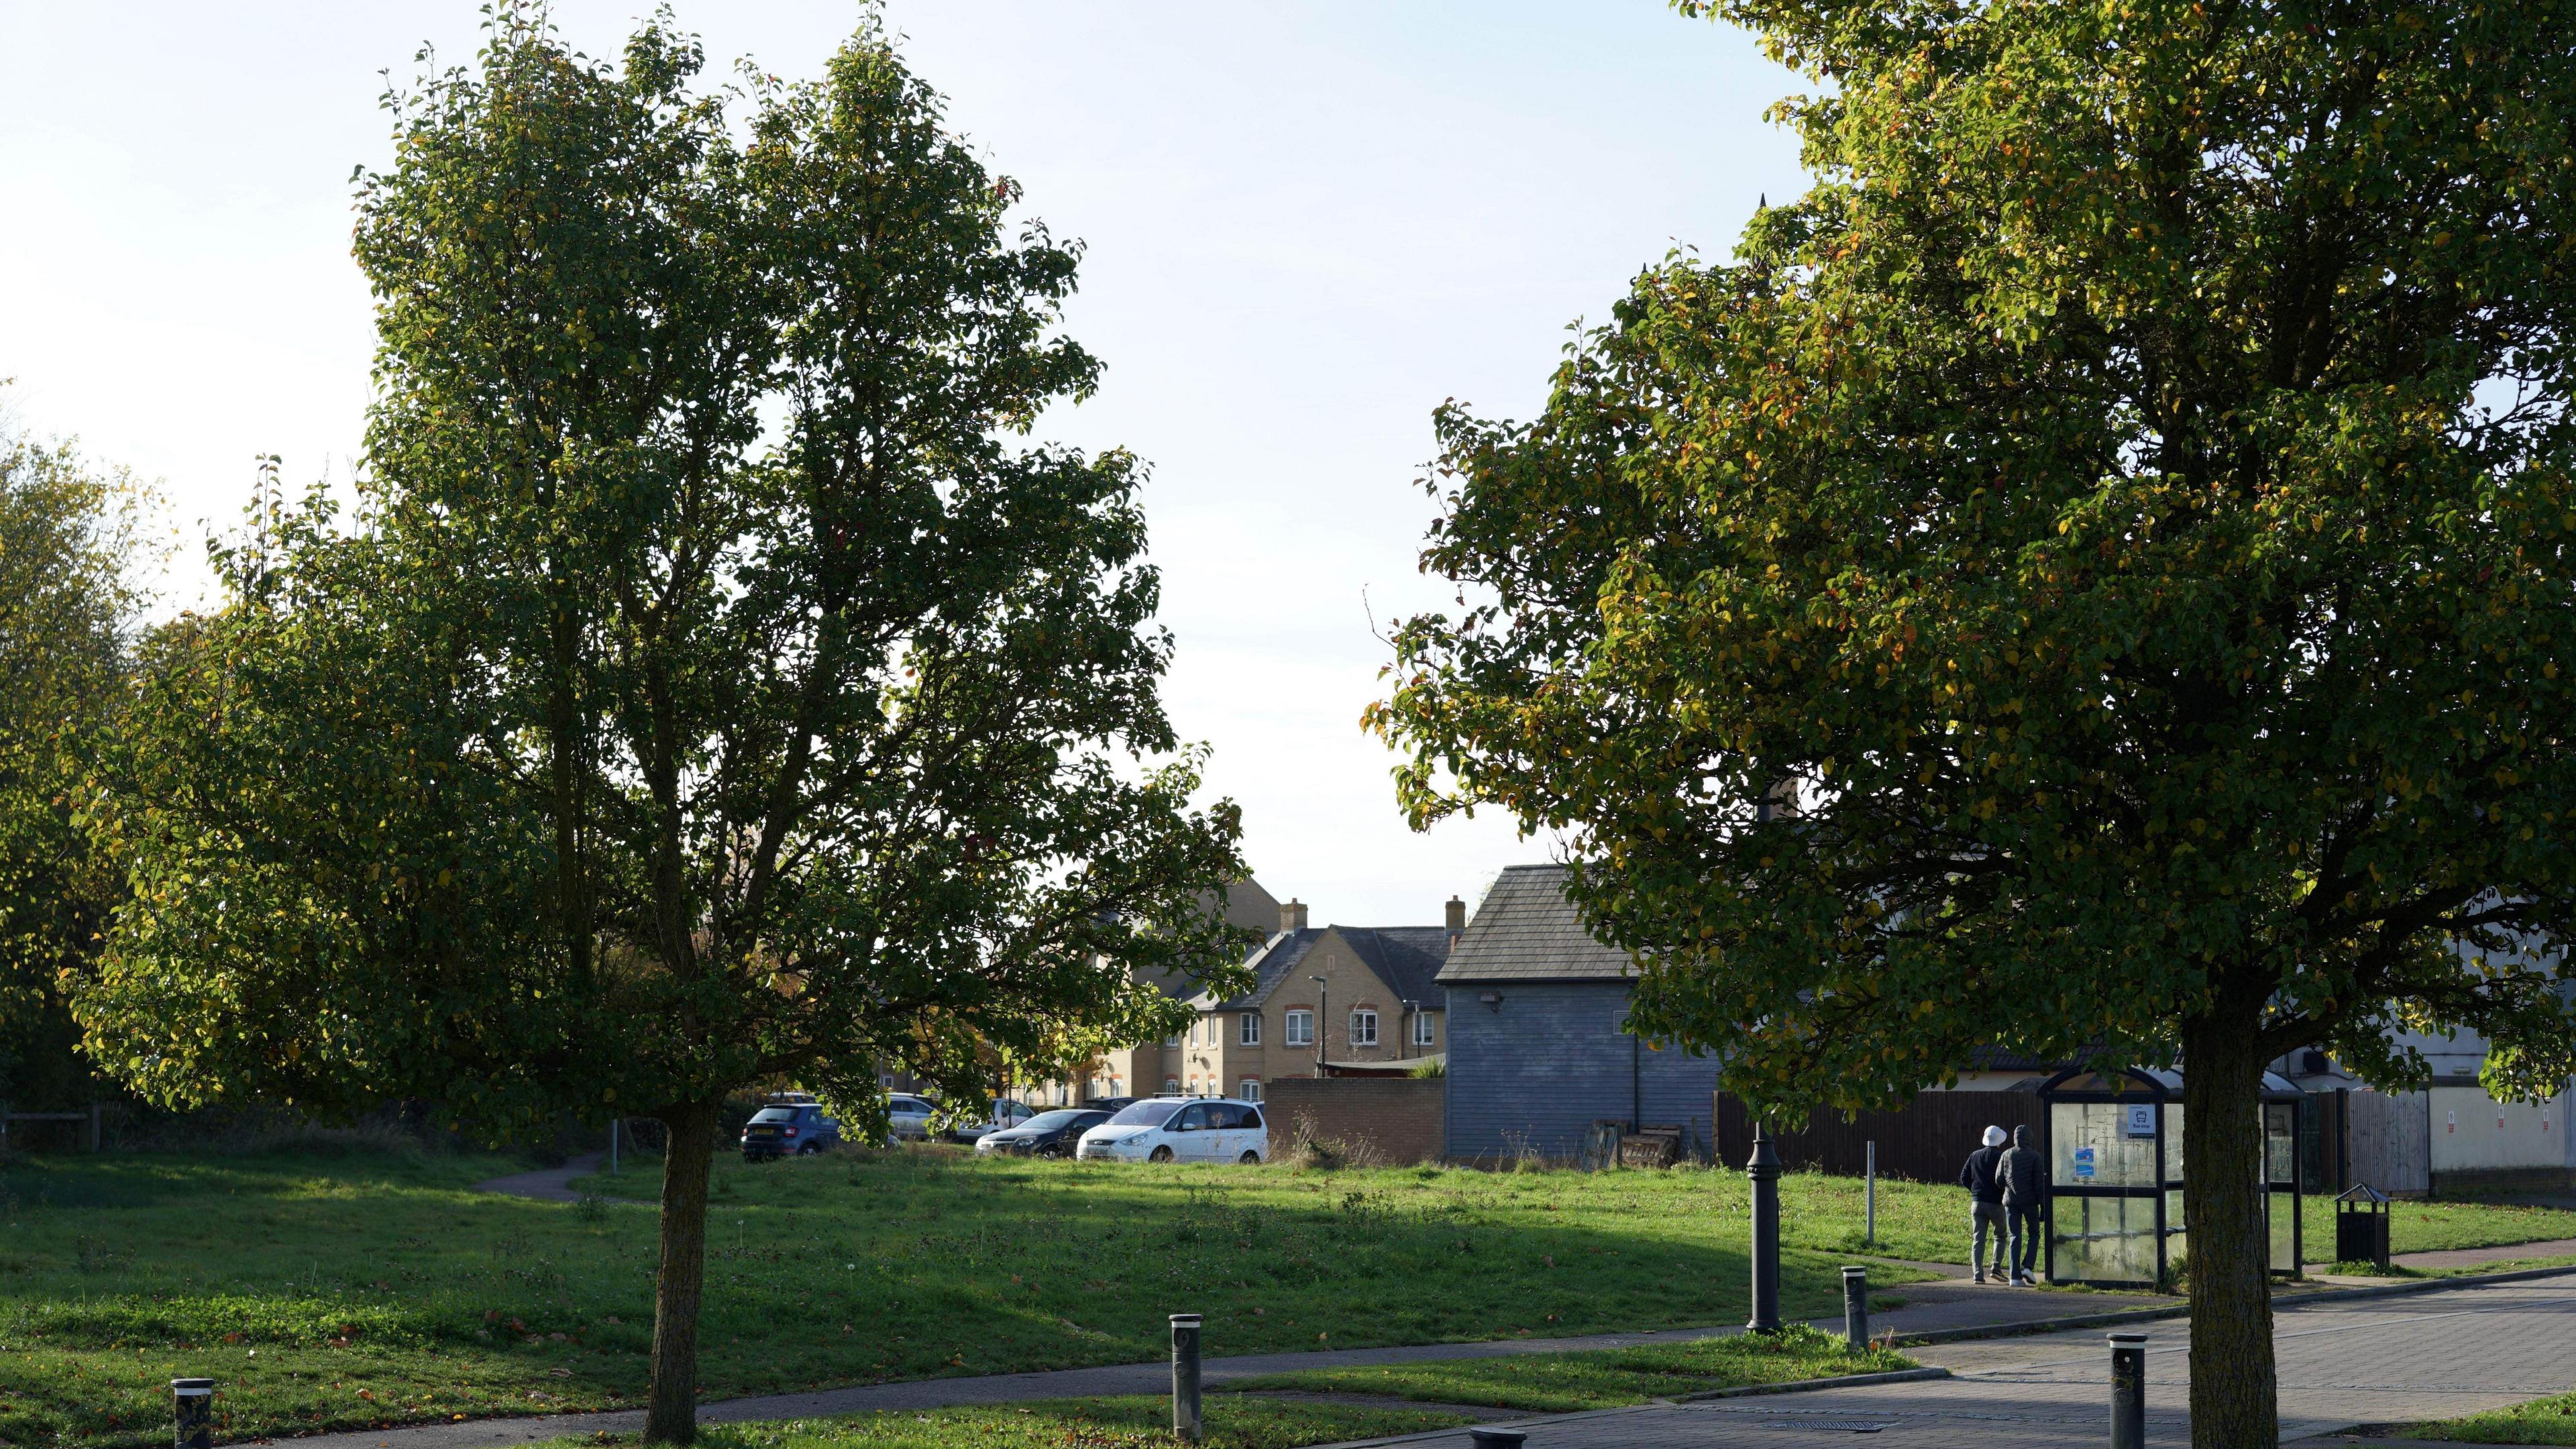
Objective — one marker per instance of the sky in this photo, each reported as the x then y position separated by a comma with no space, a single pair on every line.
1307,225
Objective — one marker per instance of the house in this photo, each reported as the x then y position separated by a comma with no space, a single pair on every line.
1536,1050
1141,1070
1323,1001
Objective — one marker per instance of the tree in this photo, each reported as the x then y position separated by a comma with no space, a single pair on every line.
70,536
709,689
2097,574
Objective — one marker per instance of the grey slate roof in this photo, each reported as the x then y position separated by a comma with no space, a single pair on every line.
1407,958
1526,930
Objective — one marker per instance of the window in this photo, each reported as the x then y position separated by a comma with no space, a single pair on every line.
1364,1028
1301,1028
1171,1084
1143,1114
1249,1089
1194,1118
1422,1035
1249,1034
1251,1115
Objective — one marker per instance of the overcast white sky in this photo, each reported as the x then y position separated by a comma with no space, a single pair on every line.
1308,224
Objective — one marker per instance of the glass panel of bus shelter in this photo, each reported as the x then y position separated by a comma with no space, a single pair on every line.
2173,1142
2285,1218
2280,1141
2096,1144
2102,1239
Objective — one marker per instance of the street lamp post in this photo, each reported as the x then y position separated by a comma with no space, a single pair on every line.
1763,1172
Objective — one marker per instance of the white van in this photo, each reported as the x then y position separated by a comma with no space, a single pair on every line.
1181,1129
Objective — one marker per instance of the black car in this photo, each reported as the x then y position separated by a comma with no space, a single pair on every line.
1051,1133
787,1127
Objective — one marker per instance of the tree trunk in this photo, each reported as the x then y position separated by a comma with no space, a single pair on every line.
2234,1389
672,1417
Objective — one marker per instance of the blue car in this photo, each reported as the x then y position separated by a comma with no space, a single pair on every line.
791,1125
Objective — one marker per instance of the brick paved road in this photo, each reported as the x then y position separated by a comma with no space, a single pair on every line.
2430,1355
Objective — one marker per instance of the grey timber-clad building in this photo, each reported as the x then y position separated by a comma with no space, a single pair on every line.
1536,1054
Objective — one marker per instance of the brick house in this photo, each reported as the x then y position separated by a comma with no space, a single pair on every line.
1140,1071
1323,999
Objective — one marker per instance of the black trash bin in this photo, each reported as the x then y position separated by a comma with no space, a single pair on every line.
2361,1226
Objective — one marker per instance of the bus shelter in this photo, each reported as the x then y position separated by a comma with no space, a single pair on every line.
2113,1142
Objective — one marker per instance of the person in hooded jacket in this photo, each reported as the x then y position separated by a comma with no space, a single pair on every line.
1985,1204
2024,1182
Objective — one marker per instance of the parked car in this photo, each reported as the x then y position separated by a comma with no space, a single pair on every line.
1181,1129
791,1123
1005,1113
909,1116
1052,1133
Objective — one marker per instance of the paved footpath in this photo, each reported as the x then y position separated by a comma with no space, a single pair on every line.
2380,1360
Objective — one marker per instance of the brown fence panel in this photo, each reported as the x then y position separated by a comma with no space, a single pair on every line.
1927,1140
1398,1119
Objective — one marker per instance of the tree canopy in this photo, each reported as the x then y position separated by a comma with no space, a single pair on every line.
2096,575
712,687
70,544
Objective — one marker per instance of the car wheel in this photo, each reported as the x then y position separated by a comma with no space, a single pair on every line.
809,1149
1162,1154
1250,1159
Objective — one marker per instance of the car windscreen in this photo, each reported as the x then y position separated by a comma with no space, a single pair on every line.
1144,1114
775,1114
1049,1121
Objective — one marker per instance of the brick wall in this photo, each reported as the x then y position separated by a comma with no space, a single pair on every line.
1400,1117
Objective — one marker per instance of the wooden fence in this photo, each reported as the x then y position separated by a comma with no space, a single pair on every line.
1926,1140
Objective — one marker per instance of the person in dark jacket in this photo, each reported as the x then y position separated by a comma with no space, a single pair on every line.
2024,1184
1985,1203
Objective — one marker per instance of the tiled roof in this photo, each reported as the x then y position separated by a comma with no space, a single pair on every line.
1407,958
1526,930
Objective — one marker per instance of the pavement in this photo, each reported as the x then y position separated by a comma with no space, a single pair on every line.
2343,1363
546,1184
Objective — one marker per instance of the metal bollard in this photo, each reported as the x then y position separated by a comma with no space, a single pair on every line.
1496,1438
1856,1307
1764,1173
1185,1377
192,1405
1869,1195
2128,1391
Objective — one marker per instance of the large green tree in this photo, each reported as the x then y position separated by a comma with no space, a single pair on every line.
70,536
712,685
2096,574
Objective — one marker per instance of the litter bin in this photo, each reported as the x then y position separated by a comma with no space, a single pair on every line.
2361,1226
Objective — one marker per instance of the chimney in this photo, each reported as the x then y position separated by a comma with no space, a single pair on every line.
1292,915
1456,915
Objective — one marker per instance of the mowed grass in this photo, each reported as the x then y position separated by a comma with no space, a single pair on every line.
1112,1423
2543,1421
353,1292
1599,1379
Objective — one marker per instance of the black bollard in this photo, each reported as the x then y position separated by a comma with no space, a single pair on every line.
1764,1173
192,1404
1856,1307
1496,1438
1185,1377
2128,1391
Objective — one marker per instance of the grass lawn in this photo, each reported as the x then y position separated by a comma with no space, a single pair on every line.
2542,1421
1056,1423
355,1291
1606,1378
348,1292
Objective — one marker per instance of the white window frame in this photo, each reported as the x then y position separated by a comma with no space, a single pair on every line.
1248,1032
1422,1034
1362,1026
1248,1090
1172,1084
1299,1029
